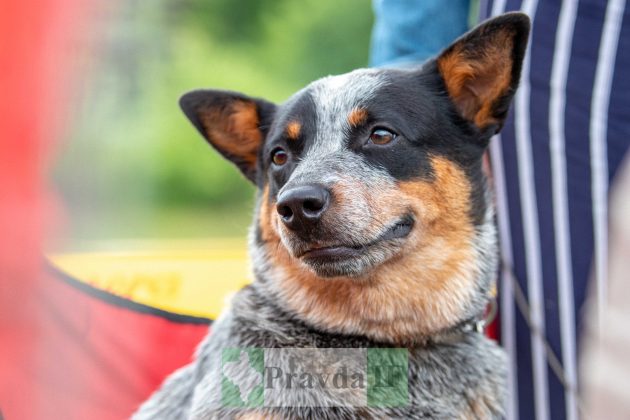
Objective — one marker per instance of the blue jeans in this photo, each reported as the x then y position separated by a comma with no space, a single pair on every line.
407,32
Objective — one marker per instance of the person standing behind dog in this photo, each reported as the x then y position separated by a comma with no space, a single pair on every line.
552,166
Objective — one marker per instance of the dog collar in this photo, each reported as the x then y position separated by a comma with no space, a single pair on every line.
476,324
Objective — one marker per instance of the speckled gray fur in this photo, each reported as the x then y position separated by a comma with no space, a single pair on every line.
459,378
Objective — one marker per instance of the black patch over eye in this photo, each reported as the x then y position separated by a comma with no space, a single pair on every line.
381,136
279,157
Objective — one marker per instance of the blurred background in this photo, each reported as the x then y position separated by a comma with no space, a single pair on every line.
131,165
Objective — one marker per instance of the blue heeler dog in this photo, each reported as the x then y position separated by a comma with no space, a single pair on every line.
374,228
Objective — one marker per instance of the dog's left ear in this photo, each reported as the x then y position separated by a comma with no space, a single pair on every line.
481,70
234,124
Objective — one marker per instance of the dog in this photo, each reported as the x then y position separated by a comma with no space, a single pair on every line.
374,228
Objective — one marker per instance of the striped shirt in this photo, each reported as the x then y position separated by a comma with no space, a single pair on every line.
552,164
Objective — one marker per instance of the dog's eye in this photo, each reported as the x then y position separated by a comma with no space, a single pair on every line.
279,156
381,136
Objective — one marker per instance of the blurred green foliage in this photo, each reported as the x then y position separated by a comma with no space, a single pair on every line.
131,153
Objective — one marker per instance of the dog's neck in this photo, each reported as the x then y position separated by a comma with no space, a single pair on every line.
400,333
372,309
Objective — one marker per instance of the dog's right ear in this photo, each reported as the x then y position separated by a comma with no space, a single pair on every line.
234,124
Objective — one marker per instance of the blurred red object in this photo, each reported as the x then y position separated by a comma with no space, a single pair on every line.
64,353
31,35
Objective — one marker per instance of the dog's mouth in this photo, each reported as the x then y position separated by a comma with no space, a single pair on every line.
341,252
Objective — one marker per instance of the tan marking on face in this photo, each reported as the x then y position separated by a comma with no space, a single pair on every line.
476,80
357,117
266,218
293,130
235,130
422,289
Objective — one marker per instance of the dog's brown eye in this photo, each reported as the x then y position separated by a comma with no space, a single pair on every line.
279,157
381,136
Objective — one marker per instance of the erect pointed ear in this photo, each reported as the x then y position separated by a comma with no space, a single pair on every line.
481,70
234,124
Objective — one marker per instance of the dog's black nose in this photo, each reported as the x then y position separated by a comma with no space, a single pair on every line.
301,207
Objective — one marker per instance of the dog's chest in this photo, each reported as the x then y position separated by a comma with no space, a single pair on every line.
464,377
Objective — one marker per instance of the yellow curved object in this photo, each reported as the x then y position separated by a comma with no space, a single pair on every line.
189,278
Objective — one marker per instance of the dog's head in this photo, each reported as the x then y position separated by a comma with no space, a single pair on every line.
373,215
